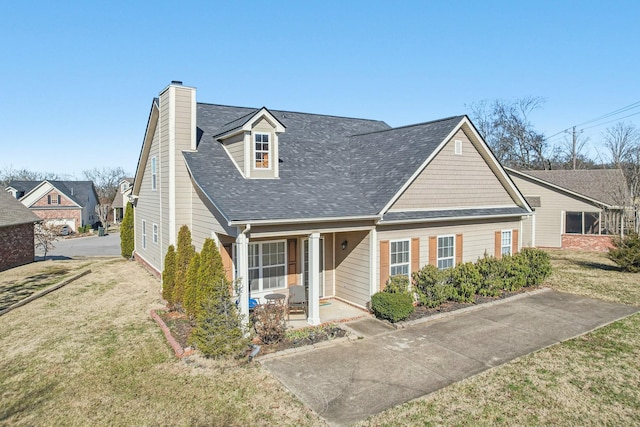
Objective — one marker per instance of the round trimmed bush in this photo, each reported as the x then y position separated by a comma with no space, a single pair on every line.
393,307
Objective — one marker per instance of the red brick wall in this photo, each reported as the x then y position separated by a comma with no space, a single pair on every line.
586,242
74,214
16,246
54,196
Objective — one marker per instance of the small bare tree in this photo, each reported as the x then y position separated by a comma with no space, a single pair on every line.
622,142
105,181
44,236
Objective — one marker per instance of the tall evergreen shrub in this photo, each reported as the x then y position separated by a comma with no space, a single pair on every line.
127,232
169,275
191,286
211,275
184,254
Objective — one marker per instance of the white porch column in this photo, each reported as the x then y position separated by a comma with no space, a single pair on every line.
314,279
242,262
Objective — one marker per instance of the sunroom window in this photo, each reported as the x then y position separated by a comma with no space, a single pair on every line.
582,223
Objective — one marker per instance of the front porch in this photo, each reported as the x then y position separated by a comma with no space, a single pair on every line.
332,310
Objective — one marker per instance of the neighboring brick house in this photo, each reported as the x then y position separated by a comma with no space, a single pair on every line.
574,209
71,203
16,233
121,199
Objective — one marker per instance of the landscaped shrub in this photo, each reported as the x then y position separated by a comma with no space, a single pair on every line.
269,322
394,307
218,332
397,284
126,232
184,253
539,265
211,274
516,272
466,279
191,286
626,252
491,272
432,286
169,275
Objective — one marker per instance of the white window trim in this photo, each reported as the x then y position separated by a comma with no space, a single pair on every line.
408,263
260,267
154,175
453,252
503,246
457,147
269,151
144,234
155,233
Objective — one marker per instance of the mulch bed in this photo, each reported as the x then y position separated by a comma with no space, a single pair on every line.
180,327
421,311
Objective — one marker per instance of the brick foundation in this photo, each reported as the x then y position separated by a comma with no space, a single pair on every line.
16,246
586,242
148,266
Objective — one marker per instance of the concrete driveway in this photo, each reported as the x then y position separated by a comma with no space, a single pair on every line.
350,381
108,245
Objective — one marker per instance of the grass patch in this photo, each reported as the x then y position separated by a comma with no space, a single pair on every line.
590,380
89,354
21,282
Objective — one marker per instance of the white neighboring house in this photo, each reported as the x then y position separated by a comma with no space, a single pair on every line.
58,203
121,199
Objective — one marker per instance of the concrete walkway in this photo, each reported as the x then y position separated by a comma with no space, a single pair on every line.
350,381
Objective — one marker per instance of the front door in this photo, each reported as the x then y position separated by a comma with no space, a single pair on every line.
305,265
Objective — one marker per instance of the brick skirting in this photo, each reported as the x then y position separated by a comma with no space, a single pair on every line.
148,266
587,242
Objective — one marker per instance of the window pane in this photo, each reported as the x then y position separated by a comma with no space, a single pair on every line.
591,223
573,222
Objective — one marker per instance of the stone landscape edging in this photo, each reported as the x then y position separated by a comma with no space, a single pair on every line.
177,348
45,292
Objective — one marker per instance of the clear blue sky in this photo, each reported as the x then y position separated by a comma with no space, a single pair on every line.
78,77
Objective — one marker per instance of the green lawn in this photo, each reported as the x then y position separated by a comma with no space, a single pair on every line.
89,354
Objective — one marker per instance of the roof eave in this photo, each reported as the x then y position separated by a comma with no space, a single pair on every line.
455,218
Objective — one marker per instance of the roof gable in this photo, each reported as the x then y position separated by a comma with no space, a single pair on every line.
78,192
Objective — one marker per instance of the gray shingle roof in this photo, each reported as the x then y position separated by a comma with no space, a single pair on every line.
12,212
312,183
604,185
329,166
78,191
453,213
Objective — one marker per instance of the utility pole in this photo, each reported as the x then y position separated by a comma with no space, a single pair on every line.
573,150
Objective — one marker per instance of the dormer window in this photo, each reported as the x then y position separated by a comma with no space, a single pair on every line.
262,152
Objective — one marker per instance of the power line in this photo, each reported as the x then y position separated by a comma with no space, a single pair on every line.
626,108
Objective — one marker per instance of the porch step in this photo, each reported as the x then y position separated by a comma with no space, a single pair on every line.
369,327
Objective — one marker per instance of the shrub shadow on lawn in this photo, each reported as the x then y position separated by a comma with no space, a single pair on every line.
597,266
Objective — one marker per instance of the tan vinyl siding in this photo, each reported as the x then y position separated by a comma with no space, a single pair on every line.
549,216
205,222
148,209
352,267
183,133
477,237
163,169
452,180
235,147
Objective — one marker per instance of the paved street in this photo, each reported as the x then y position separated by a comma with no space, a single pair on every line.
108,245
